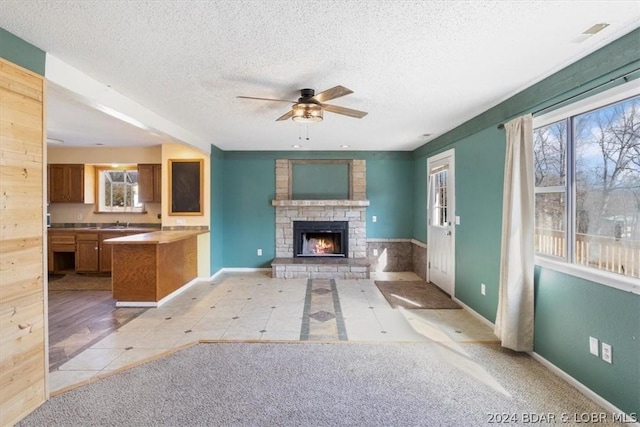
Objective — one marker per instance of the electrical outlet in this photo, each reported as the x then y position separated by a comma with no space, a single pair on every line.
180,222
375,252
259,252
79,216
374,218
593,346
483,289
607,353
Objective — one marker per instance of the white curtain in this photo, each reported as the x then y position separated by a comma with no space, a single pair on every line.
514,319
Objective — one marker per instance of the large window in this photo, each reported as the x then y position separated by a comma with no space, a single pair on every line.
587,167
117,190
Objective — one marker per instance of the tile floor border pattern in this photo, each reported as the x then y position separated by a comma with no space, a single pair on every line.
342,330
322,318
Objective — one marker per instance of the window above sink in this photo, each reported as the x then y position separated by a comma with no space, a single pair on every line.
117,190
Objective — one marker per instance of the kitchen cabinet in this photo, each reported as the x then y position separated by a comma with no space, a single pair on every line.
82,249
62,248
87,252
66,183
150,182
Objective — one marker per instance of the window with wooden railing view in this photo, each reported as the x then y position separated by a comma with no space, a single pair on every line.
588,188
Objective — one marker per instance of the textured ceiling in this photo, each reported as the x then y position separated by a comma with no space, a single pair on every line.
417,67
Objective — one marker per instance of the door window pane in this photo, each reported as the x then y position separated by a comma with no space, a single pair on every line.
439,208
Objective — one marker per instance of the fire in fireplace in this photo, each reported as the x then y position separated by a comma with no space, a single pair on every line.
320,238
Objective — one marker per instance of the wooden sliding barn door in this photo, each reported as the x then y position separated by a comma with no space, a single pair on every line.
23,356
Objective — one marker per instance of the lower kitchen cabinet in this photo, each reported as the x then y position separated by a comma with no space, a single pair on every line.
87,252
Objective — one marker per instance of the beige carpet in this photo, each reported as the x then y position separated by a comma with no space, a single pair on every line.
414,295
80,282
321,384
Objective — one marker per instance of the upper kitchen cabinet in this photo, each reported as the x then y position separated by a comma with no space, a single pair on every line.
150,182
66,183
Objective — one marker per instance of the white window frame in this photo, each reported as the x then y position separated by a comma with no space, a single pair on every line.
99,188
617,281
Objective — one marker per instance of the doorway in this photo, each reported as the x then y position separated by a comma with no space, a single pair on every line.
441,221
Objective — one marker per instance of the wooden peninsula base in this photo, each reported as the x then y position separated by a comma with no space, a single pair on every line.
149,267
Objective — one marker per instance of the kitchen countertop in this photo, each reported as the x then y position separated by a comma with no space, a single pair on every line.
155,237
109,228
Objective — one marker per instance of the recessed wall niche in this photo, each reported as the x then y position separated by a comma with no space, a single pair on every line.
320,179
331,179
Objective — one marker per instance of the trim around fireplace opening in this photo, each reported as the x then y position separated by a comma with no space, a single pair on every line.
302,227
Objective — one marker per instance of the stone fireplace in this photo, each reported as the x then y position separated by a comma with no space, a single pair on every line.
347,214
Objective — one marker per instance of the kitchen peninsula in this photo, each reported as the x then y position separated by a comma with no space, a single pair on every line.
147,268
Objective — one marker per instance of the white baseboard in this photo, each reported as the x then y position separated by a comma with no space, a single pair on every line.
419,243
596,398
163,300
238,270
474,313
149,304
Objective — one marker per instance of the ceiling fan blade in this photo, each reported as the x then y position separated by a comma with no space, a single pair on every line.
333,93
285,116
266,99
344,111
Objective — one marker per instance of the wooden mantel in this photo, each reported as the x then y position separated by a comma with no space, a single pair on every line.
147,268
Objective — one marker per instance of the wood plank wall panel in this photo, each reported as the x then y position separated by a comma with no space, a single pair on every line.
22,311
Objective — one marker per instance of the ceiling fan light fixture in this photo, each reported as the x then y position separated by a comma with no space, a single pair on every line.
306,113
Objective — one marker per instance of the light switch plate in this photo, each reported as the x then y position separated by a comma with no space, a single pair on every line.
593,346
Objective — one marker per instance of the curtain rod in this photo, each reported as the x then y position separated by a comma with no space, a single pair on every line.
624,76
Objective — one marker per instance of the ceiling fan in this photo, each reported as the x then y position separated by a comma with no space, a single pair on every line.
309,107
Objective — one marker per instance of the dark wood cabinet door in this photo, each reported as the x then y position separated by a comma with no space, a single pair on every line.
66,183
149,182
87,254
75,183
157,183
57,189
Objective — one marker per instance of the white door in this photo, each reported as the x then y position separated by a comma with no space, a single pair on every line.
441,219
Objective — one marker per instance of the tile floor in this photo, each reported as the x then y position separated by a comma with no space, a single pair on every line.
255,307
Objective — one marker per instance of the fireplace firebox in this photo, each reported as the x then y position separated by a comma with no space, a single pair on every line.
320,239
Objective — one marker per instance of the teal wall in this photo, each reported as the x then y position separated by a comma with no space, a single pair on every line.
249,187
249,218
217,209
568,310
479,168
20,52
